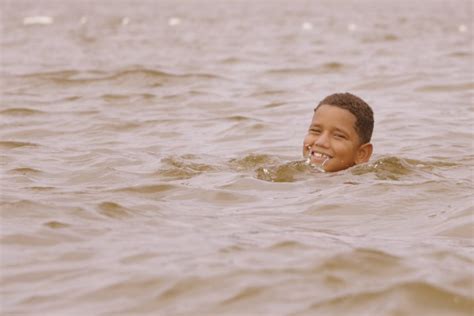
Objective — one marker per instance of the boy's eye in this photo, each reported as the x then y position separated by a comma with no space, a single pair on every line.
340,136
314,130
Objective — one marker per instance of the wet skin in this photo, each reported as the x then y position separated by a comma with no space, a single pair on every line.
332,140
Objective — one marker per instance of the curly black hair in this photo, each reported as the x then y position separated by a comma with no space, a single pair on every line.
359,108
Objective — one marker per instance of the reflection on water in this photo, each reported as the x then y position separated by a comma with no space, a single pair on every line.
151,158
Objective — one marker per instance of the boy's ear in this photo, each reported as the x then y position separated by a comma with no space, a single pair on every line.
363,153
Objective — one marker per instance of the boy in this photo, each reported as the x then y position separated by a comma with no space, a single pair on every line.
339,133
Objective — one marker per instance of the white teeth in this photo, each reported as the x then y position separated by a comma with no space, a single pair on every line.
318,155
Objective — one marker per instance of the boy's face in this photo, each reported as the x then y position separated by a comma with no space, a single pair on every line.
332,138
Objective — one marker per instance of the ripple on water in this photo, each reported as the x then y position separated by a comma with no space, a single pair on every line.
287,172
114,210
252,161
35,239
363,260
150,189
333,66
183,167
459,224
56,224
466,86
323,68
271,168
289,245
407,297
133,76
119,98
16,144
395,168
34,210
129,286
25,171
21,112
389,37
23,208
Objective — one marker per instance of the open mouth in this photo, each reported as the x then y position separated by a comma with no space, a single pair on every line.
317,158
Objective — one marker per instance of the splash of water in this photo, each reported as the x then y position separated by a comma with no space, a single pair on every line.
318,167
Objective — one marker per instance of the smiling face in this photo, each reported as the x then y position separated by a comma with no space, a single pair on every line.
332,140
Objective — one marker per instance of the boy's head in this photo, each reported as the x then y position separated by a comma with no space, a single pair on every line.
340,131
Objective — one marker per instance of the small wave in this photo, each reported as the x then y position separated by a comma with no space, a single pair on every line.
51,74
271,168
252,161
132,286
148,76
360,259
122,127
332,66
56,224
395,168
237,118
113,210
25,171
323,68
140,72
29,240
287,172
387,82
183,167
274,104
293,71
413,295
41,189
462,230
250,292
20,112
461,54
458,224
270,92
288,244
138,258
446,87
149,189
127,97
14,144
381,38
217,197
17,208
141,76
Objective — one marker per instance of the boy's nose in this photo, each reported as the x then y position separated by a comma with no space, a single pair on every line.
322,141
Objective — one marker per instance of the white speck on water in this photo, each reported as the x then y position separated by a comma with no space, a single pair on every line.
307,26
351,27
462,28
83,20
125,21
38,20
174,21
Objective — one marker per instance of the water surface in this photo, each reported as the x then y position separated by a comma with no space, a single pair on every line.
151,158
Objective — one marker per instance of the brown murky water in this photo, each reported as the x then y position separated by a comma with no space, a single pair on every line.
151,164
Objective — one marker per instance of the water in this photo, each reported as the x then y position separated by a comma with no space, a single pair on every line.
151,158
